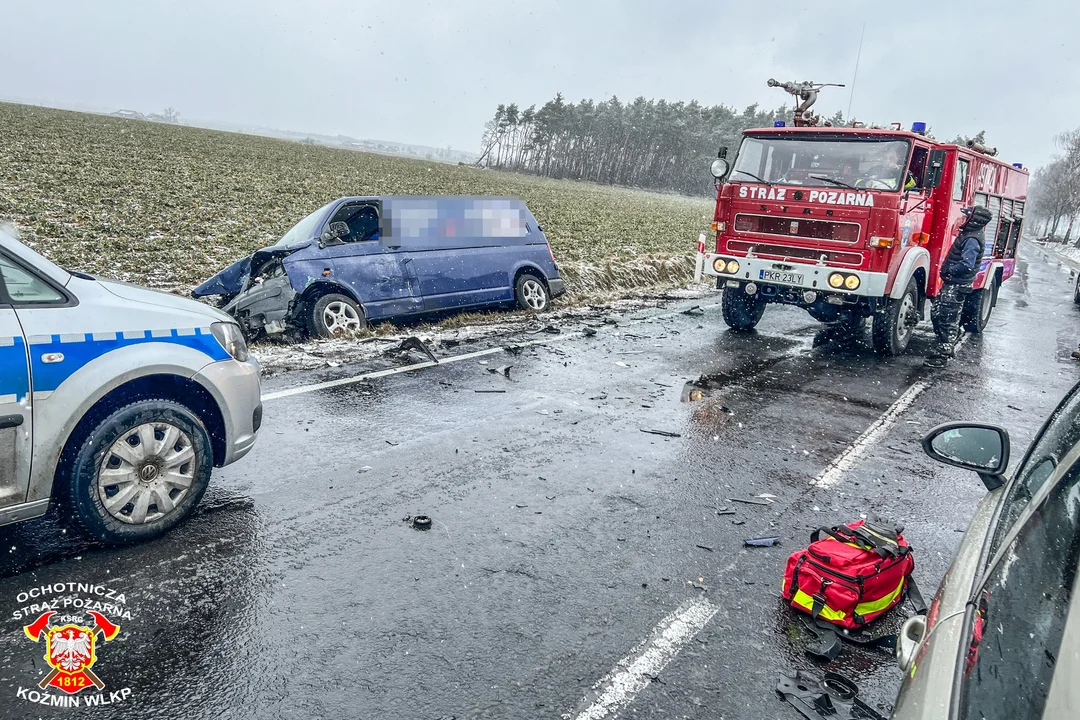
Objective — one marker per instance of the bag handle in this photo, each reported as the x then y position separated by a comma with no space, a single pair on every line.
836,533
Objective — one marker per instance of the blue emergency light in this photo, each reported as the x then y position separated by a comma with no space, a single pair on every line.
918,127
779,123
1018,166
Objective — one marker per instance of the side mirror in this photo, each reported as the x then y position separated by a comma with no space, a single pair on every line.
934,168
722,152
972,446
720,168
333,235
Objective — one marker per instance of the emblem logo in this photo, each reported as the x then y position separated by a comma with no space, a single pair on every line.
70,650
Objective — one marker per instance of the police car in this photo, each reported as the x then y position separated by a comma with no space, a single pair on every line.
115,400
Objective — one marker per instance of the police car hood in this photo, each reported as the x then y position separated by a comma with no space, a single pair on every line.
145,296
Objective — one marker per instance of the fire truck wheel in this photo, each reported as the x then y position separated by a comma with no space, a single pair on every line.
741,311
977,308
894,326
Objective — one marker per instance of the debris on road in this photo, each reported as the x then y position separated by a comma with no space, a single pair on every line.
706,547
588,332
662,433
621,364
414,343
762,541
695,310
503,370
725,512
749,502
421,522
364,469
489,391
831,696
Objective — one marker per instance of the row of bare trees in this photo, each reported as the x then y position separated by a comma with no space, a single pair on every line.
1055,191
650,144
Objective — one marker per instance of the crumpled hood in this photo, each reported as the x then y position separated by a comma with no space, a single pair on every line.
227,282
141,295
231,280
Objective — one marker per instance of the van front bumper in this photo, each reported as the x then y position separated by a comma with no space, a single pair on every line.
814,276
556,287
235,385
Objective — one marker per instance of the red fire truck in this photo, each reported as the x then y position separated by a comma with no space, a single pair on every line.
854,222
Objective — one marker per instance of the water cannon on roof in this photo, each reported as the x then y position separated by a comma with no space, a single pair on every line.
807,93
980,148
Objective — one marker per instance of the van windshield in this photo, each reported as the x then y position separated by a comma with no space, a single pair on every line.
822,162
303,230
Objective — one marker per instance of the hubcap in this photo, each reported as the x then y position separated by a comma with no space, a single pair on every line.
341,317
534,294
146,473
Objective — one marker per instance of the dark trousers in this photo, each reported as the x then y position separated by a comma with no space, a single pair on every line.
945,314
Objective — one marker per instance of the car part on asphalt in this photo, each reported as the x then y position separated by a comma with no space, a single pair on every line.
421,522
831,696
662,433
414,343
762,542
749,502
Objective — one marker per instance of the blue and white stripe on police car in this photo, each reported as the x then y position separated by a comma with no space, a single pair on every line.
55,358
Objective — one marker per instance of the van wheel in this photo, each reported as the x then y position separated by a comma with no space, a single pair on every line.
334,315
741,311
139,472
978,306
531,293
894,326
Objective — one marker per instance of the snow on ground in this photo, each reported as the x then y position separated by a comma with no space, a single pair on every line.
278,357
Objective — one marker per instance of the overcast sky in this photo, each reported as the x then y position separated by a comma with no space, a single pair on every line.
432,72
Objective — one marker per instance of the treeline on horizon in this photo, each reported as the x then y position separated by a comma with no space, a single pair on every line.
650,144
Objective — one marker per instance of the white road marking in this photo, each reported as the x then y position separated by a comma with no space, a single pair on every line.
352,380
635,671
850,457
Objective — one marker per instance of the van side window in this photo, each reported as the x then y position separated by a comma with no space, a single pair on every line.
26,289
960,180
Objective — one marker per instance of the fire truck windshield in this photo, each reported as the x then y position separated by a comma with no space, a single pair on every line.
870,164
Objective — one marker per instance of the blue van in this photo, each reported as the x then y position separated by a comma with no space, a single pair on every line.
362,259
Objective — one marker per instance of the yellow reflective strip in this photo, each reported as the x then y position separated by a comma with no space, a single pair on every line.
805,601
881,604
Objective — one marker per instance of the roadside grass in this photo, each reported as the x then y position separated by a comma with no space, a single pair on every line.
167,206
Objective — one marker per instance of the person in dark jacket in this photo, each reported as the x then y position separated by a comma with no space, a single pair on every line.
958,272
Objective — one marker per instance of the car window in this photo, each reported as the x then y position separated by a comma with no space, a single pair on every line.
1060,434
25,288
363,222
1021,612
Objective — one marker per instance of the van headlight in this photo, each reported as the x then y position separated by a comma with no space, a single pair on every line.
232,339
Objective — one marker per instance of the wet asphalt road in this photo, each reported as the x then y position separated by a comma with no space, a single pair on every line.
563,534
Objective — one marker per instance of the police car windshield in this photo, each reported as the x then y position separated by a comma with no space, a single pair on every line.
822,162
306,229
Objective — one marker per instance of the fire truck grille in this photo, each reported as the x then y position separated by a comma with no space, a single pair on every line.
783,252
802,227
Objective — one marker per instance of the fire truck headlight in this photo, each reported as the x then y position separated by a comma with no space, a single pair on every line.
719,168
733,266
719,265
836,280
851,282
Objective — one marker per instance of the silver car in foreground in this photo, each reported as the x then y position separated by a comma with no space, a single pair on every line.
115,400
1001,639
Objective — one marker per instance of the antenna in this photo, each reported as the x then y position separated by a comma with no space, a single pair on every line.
851,95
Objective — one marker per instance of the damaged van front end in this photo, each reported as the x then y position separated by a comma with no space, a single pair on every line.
259,292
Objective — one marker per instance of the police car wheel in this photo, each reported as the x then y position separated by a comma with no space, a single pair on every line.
335,315
139,472
531,293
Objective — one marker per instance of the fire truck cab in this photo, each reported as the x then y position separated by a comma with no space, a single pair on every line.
851,222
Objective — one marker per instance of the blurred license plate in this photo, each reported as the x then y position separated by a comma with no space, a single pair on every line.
781,277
